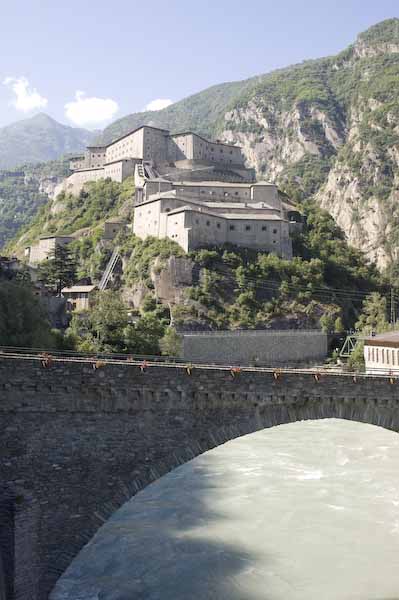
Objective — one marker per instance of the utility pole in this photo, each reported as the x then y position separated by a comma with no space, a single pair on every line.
393,315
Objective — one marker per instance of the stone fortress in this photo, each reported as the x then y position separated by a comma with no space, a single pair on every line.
191,190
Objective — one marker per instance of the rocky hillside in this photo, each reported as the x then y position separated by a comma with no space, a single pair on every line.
330,127
39,139
327,127
23,191
213,288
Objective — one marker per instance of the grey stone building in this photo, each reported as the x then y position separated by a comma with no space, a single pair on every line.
156,148
194,191
213,213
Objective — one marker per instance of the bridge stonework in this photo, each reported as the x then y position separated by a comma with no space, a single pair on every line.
76,442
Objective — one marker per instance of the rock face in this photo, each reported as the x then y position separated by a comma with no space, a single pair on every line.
172,279
329,128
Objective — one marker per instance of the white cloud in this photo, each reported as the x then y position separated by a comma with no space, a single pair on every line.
90,111
158,104
26,98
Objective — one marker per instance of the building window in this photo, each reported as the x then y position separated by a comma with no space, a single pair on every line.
274,230
236,193
232,227
383,355
218,225
372,354
393,357
167,209
247,227
208,223
377,355
264,228
388,357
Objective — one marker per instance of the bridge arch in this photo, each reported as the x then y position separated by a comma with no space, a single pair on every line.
84,437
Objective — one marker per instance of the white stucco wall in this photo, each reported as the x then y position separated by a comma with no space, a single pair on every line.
381,359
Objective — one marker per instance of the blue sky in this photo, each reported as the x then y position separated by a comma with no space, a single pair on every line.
87,62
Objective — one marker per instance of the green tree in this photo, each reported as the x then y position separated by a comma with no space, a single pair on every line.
374,315
356,359
171,344
338,325
147,334
22,318
106,328
60,268
108,319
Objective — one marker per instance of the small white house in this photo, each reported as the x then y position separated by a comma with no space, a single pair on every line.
381,354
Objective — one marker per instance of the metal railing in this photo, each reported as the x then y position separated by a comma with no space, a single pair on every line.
10,352
254,332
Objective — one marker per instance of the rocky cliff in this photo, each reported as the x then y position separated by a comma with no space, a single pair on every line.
329,128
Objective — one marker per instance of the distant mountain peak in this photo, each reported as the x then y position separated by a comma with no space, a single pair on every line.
40,138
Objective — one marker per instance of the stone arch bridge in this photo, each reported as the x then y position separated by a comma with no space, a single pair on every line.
78,438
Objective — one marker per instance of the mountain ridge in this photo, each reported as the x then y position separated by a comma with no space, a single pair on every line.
39,138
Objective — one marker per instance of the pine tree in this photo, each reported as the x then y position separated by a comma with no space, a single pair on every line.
59,270
374,315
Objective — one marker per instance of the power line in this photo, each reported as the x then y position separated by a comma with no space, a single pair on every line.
274,285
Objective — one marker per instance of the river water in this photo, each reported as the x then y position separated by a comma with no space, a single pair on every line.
306,511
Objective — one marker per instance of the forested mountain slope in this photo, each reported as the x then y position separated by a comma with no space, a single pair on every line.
23,191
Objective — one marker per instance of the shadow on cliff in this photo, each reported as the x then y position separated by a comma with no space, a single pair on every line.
166,543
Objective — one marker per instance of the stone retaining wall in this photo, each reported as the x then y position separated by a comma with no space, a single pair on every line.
267,348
